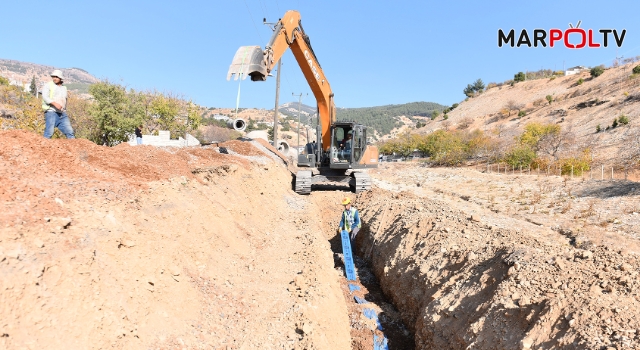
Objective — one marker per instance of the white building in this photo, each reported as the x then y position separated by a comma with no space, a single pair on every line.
164,139
575,70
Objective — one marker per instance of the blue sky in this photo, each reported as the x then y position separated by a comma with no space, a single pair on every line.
373,53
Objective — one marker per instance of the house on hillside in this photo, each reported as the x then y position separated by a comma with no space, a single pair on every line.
575,70
220,117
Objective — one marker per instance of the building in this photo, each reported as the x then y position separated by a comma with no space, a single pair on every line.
163,139
575,70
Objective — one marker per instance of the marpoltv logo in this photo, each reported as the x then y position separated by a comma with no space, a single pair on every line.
572,38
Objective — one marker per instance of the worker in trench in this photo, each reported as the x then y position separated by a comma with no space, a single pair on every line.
350,220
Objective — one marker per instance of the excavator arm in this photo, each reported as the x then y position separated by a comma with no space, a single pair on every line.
256,63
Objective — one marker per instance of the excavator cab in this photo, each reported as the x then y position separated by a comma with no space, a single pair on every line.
348,143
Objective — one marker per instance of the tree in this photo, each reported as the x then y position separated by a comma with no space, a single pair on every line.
434,115
478,86
636,69
597,71
33,88
112,112
519,77
468,90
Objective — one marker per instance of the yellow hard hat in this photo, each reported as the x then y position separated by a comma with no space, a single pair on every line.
346,200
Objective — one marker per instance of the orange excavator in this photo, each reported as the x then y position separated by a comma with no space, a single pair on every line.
341,152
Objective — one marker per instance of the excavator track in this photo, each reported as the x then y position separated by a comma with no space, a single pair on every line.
303,182
360,182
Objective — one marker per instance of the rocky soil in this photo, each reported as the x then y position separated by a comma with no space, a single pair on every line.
466,273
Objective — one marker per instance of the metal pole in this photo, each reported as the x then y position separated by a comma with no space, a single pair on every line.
275,114
299,103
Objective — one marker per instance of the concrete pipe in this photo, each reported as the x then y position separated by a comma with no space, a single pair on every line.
237,124
283,147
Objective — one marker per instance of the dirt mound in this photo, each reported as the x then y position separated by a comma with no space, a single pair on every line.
460,282
141,247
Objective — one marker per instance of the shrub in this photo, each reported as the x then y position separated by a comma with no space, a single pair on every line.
636,69
549,98
580,81
519,77
615,123
579,164
521,155
624,120
4,81
445,117
552,77
598,128
539,102
522,114
559,73
491,85
453,106
434,115
597,71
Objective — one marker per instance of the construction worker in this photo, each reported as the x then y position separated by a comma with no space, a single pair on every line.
350,220
54,104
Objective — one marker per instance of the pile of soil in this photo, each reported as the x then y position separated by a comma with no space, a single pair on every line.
150,248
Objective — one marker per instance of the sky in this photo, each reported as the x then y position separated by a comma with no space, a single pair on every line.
373,53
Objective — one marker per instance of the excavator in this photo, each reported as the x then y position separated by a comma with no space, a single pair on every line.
341,152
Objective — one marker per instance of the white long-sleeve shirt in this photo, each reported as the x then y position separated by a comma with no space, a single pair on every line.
59,95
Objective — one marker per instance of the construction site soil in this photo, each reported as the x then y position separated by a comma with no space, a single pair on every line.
148,248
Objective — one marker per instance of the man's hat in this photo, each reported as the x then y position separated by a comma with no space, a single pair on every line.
57,73
346,200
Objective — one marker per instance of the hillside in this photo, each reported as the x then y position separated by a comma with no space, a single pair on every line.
22,73
577,108
385,120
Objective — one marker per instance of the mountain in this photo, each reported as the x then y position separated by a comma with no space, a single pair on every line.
382,119
21,73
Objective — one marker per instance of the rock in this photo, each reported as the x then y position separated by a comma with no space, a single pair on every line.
526,343
13,254
174,270
38,242
64,222
572,322
59,201
176,278
517,266
559,264
626,267
128,243
307,328
47,219
471,256
475,218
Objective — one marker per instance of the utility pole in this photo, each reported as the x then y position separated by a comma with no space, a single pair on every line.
275,114
299,103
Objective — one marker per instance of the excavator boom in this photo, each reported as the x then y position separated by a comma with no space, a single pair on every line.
252,61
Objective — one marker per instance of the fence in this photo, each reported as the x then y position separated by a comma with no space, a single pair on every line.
600,172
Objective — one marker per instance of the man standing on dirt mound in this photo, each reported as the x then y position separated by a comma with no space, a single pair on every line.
54,104
350,219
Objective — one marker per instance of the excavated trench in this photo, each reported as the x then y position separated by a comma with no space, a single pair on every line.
462,281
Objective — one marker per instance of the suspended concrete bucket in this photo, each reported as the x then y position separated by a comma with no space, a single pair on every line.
248,61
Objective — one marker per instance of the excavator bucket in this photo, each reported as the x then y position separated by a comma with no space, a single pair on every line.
248,61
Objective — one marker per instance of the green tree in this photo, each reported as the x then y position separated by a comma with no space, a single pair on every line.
636,69
435,115
112,113
33,88
597,71
519,77
534,132
478,86
520,155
